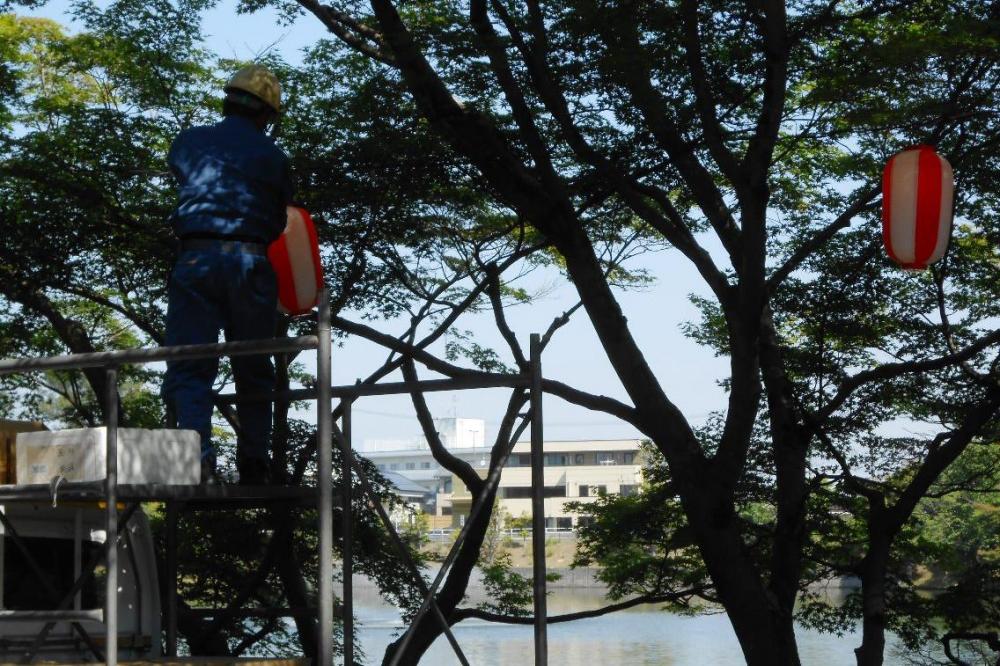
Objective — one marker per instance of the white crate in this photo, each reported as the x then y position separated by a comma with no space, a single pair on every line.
144,456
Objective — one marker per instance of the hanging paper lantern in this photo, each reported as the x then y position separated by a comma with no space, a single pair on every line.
295,259
917,189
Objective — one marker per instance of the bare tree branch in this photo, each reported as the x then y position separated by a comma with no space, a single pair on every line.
453,464
500,65
948,334
493,282
599,403
770,17
807,249
558,323
940,457
636,77
475,613
705,99
669,223
892,370
359,37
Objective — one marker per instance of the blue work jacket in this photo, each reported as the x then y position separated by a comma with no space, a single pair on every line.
232,181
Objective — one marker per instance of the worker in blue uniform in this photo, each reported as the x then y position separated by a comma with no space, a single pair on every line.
233,185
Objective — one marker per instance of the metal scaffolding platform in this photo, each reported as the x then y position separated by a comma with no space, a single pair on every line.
207,497
178,499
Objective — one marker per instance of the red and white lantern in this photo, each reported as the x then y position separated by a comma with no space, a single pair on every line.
917,191
295,259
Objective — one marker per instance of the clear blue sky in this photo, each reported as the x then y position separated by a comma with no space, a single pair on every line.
688,372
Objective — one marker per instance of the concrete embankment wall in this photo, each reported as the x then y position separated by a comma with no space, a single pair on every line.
581,577
586,578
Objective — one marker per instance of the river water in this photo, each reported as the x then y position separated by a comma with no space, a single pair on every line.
641,636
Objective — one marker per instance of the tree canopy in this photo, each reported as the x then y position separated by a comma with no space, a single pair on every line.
749,137
450,146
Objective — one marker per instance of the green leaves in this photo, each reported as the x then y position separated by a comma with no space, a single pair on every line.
462,345
507,592
642,543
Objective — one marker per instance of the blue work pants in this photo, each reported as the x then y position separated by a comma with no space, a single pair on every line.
211,291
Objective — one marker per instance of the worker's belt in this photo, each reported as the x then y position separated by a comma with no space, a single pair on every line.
223,246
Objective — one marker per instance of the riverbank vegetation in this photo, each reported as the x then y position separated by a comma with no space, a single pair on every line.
943,574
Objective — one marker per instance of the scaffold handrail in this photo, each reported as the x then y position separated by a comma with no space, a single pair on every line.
154,354
476,380
96,614
93,491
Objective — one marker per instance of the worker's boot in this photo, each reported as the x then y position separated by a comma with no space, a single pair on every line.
209,477
254,471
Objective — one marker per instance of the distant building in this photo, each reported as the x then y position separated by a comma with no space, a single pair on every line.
454,432
412,458
410,492
414,496
574,471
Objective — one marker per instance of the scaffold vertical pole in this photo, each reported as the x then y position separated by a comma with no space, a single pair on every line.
324,449
348,539
111,520
171,579
77,554
538,502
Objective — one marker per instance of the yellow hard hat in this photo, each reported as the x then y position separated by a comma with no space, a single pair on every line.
260,82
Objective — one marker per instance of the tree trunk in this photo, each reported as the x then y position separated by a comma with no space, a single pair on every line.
763,624
766,632
297,594
764,629
451,594
873,572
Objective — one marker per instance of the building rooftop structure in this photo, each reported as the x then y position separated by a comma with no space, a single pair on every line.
405,488
454,432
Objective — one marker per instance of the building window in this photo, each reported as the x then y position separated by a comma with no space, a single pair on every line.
411,465
446,511
564,523
606,459
578,459
583,521
524,492
629,458
524,459
556,459
381,468
602,490
584,490
628,489
425,465
447,486
394,466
